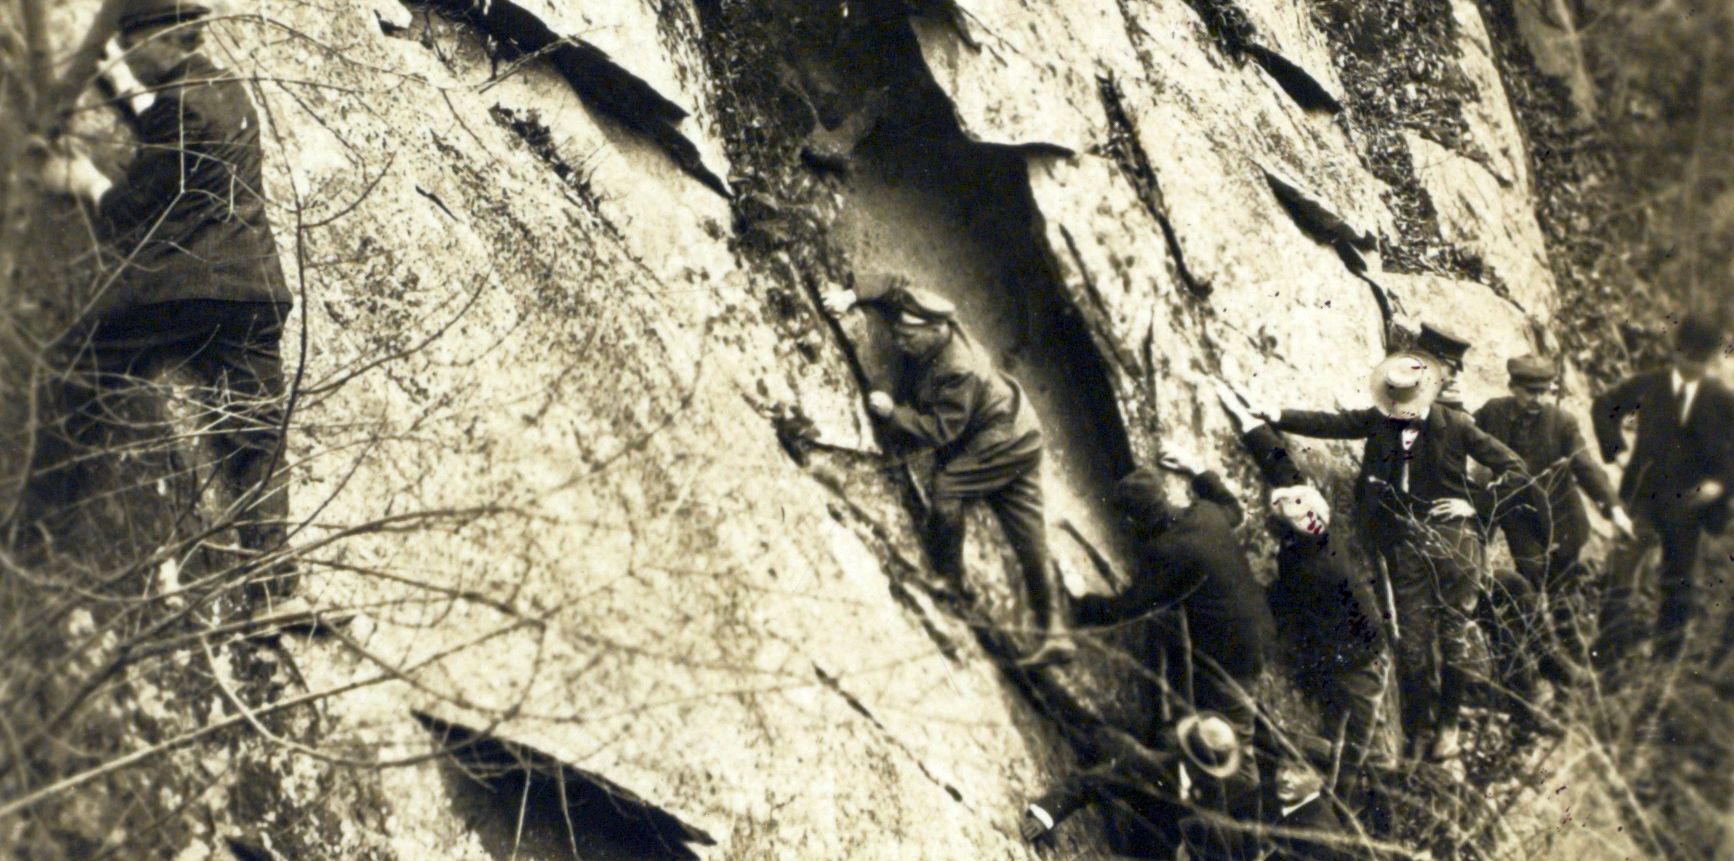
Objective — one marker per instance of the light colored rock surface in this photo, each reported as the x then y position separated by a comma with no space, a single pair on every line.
572,382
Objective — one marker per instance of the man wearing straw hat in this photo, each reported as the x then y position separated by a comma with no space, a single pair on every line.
1202,766
985,436
1413,493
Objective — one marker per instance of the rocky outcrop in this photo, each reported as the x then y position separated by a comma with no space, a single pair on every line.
577,444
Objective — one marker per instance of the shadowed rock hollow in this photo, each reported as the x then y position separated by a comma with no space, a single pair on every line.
560,305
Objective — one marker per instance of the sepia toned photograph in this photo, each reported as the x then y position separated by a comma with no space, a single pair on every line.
724,430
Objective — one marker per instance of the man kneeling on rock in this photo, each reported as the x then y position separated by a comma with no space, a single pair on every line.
985,437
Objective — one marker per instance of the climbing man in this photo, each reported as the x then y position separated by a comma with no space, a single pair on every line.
1413,492
1544,521
197,283
1323,602
1677,483
1188,559
985,436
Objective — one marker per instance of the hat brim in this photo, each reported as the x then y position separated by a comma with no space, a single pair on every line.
1221,771
1432,382
162,18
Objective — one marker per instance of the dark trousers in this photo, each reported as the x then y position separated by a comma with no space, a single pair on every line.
1435,570
1014,492
232,348
1678,531
1547,558
1349,703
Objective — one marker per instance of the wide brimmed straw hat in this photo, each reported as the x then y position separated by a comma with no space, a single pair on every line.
1302,507
1405,384
1209,742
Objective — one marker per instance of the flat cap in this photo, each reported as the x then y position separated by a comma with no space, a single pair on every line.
1530,370
1699,337
925,306
140,14
1447,346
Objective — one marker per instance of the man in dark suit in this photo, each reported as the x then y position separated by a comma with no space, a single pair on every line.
1544,522
1413,494
197,282
984,434
1322,600
1188,558
1676,484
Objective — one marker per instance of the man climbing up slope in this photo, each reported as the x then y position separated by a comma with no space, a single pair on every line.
985,436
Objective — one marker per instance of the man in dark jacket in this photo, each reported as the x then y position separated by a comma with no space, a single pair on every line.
1413,493
196,280
984,434
1323,603
1189,558
1544,521
1676,484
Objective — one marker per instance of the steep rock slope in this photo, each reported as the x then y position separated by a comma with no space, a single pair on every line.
576,442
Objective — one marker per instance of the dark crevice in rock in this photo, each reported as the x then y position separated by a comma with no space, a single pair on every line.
1320,223
1134,164
514,33
1300,85
583,810
1237,36
436,201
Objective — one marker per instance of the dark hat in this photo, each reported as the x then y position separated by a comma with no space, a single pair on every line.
1530,371
925,307
1699,338
1141,496
1448,347
141,14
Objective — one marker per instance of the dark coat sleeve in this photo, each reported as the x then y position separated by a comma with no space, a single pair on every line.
1609,409
1155,587
166,167
1590,475
1347,424
1489,451
944,417
1272,456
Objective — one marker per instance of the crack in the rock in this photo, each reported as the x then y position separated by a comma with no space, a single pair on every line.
836,686
1134,164
516,34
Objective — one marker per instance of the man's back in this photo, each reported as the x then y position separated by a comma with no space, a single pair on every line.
189,217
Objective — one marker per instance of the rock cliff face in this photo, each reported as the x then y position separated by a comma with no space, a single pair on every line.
576,441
